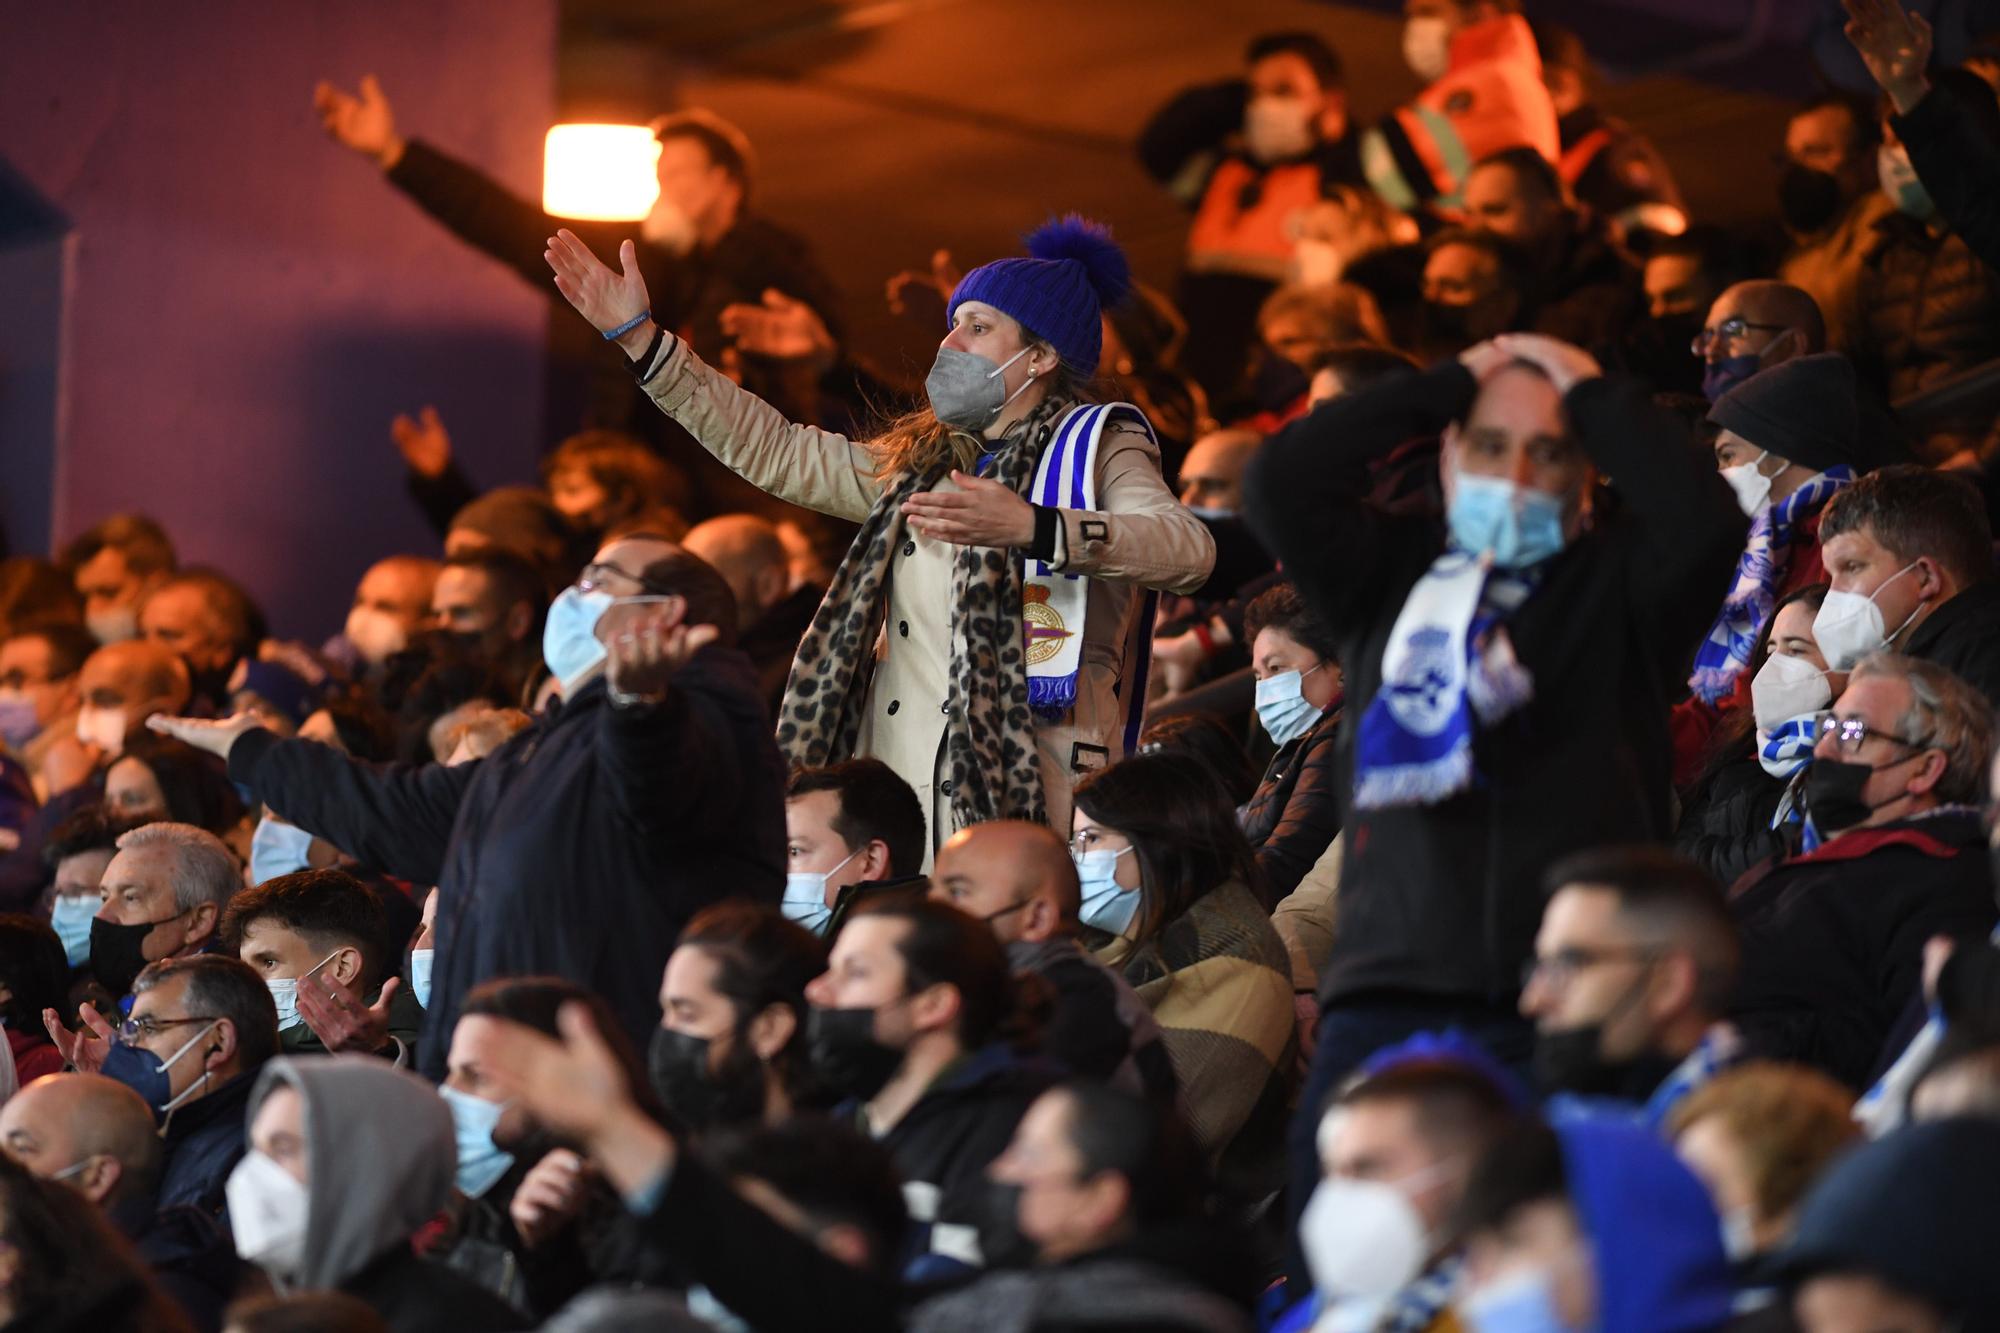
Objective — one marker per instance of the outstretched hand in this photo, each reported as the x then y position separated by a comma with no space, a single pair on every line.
643,655
981,512
363,121
423,441
604,298
1895,44
83,1050
942,277
574,1086
780,328
217,737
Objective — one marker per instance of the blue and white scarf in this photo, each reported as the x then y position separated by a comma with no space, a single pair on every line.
1053,603
1787,747
1723,656
1449,667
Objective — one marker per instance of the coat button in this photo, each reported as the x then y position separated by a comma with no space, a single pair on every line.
894,704
945,708
909,548
945,786
903,628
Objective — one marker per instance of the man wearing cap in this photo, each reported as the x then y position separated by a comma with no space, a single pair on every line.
985,636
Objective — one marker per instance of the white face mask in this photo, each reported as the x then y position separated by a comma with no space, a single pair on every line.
102,727
1427,47
375,634
1785,688
118,625
420,975
1362,1238
1752,487
1850,626
670,227
1276,128
267,1214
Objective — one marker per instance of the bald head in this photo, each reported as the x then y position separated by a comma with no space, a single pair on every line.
1212,476
1015,875
140,677
95,1129
750,556
1796,327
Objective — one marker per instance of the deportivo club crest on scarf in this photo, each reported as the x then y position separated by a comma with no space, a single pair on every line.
1042,629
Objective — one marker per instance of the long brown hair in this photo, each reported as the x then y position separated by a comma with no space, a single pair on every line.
918,442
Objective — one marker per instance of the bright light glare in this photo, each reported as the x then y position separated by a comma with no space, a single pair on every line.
600,172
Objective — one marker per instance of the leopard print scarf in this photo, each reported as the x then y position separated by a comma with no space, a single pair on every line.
989,732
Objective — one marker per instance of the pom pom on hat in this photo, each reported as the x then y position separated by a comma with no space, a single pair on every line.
1074,272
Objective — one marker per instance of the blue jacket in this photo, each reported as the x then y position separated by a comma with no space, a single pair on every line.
578,849
204,1142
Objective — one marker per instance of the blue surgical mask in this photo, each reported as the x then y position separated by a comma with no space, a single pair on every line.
805,896
420,975
70,918
1519,525
277,848
1282,706
146,1073
17,720
1106,904
1523,1303
285,993
569,636
481,1162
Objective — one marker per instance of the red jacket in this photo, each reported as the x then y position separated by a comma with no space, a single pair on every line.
34,1055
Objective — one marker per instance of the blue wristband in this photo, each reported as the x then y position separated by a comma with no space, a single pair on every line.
612,335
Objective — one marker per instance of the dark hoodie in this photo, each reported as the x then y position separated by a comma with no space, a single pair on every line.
1656,1245
380,1161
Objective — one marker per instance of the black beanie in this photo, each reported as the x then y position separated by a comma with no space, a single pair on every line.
1802,410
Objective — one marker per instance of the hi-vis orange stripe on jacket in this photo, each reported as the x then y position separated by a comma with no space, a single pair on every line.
1492,98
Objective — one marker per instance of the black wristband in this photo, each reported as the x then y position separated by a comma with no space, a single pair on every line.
1044,548
638,368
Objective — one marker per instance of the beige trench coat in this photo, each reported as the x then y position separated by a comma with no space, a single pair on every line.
1142,539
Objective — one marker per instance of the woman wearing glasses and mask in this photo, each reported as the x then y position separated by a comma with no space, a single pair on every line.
1169,884
986,634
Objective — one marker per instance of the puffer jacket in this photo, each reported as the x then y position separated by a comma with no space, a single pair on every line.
1929,310
1294,814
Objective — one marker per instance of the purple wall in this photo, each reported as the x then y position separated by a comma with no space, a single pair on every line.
249,304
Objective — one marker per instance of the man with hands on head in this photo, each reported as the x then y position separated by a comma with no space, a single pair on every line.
1509,661
651,790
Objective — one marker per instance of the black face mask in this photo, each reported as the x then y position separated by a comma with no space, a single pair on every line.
117,952
1454,328
1276,383
1001,1244
1572,1060
1833,792
1807,199
844,1053
211,684
701,1097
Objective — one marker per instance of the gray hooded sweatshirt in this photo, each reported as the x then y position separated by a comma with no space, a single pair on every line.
380,1158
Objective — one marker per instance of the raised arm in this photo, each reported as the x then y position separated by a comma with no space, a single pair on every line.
393,818
805,465
1307,490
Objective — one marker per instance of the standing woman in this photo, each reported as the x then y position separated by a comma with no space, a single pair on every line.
986,634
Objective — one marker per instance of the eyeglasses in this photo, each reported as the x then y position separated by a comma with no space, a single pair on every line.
593,579
1729,330
1087,840
1850,733
148,1027
1558,969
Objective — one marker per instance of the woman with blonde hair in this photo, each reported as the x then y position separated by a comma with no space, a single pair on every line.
986,634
